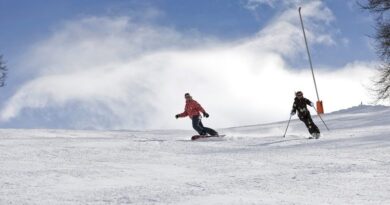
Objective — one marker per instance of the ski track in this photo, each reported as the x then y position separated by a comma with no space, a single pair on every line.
251,165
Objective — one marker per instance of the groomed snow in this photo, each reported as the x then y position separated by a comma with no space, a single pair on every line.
251,165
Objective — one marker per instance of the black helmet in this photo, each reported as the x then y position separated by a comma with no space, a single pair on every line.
187,95
298,93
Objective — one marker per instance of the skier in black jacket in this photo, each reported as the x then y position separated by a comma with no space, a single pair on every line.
300,106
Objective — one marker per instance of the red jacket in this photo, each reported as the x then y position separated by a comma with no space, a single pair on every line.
192,109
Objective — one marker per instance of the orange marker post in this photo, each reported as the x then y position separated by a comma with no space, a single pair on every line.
320,107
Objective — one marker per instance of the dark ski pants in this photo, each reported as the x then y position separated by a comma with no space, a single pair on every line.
198,126
309,124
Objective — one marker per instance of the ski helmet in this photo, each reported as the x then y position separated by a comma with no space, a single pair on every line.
299,93
187,95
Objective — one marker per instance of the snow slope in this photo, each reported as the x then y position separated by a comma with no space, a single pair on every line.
251,165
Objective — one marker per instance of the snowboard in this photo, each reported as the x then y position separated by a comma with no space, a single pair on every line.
196,137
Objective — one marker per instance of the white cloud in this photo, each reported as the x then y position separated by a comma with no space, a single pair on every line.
114,73
283,34
253,4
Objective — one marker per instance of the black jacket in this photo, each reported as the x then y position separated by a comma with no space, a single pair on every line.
300,106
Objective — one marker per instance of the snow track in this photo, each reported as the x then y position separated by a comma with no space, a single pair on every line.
251,165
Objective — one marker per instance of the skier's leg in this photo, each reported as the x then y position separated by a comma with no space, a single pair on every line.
207,130
201,124
210,131
197,125
313,126
305,120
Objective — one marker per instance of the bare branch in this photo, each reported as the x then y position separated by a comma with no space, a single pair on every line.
3,72
382,40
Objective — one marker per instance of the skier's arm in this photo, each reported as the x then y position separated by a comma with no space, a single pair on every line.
183,114
294,109
308,102
200,108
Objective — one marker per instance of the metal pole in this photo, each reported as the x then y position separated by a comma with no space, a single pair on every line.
321,118
308,54
287,126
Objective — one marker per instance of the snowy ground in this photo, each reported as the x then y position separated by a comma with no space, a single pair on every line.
251,165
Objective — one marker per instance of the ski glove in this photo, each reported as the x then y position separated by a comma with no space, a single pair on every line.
292,113
312,104
206,115
177,116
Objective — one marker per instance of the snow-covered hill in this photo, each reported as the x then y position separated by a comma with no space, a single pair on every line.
251,165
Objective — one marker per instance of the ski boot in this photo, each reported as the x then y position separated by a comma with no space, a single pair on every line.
315,136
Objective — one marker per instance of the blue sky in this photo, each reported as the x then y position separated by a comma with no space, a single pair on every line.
27,21
32,29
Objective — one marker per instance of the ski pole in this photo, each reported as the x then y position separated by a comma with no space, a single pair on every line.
321,118
287,126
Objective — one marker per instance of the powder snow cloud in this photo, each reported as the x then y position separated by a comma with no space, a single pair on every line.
115,73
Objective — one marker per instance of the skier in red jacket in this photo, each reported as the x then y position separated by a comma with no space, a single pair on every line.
193,110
